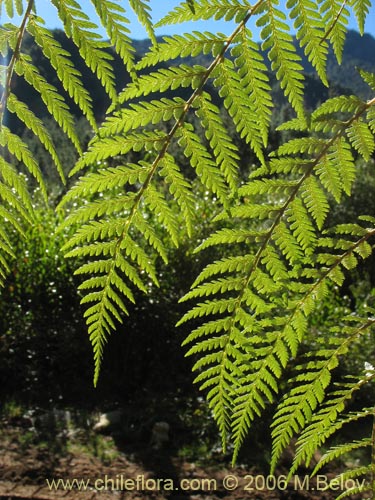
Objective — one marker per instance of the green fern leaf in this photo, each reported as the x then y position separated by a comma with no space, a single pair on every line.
18,183
36,126
361,138
51,98
157,203
315,200
111,15
254,79
141,114
180,188
361,10
310,32
9,197
230,264
287,243
201,161
223,148
206,9
81,30
329,175
108,147
301,225
68,75
8,39
236,102
164,79
335,17
191,44
106,179
284,60
369,78
21,151
143,12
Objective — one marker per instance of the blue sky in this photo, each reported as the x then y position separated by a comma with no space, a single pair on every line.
48,12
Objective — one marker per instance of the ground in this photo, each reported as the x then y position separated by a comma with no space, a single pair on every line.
116,468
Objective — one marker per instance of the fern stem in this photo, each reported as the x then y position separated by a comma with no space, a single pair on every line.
13,61
278,219
335,21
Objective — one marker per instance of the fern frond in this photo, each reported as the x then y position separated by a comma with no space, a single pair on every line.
142,114
310,32
361,10
180,188
10,198
9,7
285,62
362,139
324,423
11,177
223,148
164,79
287,243
163,212
20,150
107,147
201,161
335,17
301,225
206,9
296,410
315,200
112,17
329,175
8,38
176,46
254,79
143,12
33,123
235,100
368,77
50,96
81,30
337,451
69,76
106,179
107,304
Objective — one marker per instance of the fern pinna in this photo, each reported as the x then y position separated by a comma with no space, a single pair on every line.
253,304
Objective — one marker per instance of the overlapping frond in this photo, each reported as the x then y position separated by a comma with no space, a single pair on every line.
255,315
295,411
